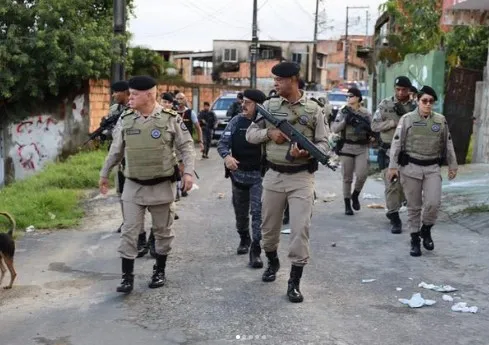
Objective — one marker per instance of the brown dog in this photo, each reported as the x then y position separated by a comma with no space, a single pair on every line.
7,251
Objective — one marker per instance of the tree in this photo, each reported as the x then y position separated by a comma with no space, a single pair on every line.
49,48
144,61
415,28
466,46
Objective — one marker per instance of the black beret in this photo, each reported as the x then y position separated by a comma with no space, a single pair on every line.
167,96
255,95
120,86
355,92
403,81
414,89
302,84
240,95
286,69
142,83
429,91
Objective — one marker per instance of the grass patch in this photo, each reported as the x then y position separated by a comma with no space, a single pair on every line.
51,198
481,208
468,158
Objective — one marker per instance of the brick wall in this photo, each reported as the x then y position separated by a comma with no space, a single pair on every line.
99,101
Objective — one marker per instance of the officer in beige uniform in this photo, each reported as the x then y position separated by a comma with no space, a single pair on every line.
422,142
146,136
385,121
288,181
354,148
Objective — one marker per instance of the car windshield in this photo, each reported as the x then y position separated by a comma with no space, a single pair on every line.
223,103
337,97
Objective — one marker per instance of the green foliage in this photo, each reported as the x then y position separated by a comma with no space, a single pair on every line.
415,28
56,190
144,61
48,48
466,46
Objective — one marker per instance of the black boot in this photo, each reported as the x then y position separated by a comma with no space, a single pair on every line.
293,291
415,244
396,222
273,266
127,283
142,245
255,251
348,210
355,201
244,244
176,217
158,279
426,236
151,244
120,228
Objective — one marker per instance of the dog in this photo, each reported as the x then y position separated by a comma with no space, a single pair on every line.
7,251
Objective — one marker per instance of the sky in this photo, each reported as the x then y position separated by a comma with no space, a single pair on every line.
193,24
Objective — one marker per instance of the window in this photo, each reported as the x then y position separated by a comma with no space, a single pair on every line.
223,103
266,54
319,62
297,58
230,55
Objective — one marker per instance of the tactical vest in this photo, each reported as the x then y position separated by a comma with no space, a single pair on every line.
424,139
301,117
352,135
248,155
389,113
149,150
187,120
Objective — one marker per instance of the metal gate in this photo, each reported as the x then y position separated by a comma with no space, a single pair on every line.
459,106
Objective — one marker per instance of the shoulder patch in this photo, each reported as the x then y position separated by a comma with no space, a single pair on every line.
170,111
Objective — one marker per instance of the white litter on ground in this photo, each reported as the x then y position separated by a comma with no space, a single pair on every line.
462,307
439,288
285,231
368,280
416,301
370,196
447,298
399,289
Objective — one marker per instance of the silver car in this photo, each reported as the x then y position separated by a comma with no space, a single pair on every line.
220,108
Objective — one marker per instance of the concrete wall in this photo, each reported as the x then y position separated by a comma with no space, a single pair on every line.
481,124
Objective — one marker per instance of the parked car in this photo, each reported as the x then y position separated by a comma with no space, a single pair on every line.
220,108
337,99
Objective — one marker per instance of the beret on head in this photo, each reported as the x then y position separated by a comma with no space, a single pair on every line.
355,92
286,69
167,96
120,86
414,89
403,81
255,95
142,83
428,91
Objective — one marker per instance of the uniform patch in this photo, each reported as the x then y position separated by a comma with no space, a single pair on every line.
155,133
133,131
419,124
280,114
396,137
435,128
303,120
183,126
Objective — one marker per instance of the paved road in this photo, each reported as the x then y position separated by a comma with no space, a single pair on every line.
65,292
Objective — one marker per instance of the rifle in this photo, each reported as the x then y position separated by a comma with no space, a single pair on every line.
106,124
296,137
360,123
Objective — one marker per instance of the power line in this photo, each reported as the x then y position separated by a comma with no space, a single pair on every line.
304,10
211,15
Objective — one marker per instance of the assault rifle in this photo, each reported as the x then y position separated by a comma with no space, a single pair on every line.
107,124
296,137
399,109
360,123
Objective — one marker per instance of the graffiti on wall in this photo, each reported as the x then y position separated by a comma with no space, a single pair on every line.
35,141
78,108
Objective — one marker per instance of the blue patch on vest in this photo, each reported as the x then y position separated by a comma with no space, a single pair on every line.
435,128
155,133
303,120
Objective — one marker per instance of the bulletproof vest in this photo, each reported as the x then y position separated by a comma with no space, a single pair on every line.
187,120
301,117
424,137
149,150
209,119
248,155
350,132
388,112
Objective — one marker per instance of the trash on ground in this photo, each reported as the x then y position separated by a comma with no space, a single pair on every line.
30,228
439,288
368,280
329,197
462,307
416,301
447,298
376,206
220,195
370,196
285,231
195,186
52,215
398,289
333,244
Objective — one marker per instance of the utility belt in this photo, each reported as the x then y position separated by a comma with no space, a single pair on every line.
404,159
158,180
346,154
357,142
312,167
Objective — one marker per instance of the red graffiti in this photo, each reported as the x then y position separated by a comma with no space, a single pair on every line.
27,155
26,126
82,112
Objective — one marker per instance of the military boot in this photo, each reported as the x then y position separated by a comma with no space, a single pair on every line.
142,245
355,201
293,291
415,244
426,236
255,251
158,279
151,244
244,244
348,210
396,223
127,283
273,266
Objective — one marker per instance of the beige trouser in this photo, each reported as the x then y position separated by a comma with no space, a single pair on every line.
357,165
300,204
162,219
424,193
394,195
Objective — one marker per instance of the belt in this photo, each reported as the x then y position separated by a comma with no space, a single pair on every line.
153,181
346,154
424,163
358,142
289,169
249,167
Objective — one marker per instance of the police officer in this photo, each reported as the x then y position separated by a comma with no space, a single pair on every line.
243,162
288,181
146,136
354,150
385,121
208,120
422,142
189,118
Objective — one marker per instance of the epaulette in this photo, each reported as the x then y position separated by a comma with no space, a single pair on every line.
127,112
170,111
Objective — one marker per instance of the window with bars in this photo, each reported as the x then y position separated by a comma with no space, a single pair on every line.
230,55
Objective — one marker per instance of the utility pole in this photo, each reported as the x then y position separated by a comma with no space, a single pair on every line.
367,19
254,46
118,70
315,45
347,44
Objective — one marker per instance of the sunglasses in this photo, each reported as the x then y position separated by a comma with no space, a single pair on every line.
350,96
427,101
